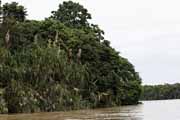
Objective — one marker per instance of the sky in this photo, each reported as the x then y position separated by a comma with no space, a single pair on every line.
147,32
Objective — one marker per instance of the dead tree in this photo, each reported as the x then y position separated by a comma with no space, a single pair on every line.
79,55
57,36
7,39
35,38
56,39
69,55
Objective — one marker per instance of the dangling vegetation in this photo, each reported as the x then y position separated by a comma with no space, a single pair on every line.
60,63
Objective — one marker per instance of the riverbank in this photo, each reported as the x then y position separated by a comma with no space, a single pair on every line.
61,63
161,92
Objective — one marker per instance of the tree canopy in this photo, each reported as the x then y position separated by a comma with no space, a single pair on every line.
75,15
72,14
13,11
161,92
61,63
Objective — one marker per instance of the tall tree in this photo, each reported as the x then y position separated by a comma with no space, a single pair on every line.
14,11
76,16
72,14
11,13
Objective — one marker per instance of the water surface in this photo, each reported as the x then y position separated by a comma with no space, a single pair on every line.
149,110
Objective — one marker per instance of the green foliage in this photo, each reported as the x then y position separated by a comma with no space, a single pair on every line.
23,38
75,15
72,14
3,104
161,92
10,14
41,79
13,11
63,63
20,99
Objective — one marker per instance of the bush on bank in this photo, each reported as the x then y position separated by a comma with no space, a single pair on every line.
60,63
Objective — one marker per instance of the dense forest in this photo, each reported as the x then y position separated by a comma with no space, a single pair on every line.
60,63
161,92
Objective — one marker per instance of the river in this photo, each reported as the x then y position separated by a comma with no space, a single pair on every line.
149,110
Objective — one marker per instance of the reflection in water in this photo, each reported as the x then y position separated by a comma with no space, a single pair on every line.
150,110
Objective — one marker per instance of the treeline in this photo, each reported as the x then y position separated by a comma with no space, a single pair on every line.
161,92
60,63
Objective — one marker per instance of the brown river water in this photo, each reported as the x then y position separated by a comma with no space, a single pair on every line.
149,110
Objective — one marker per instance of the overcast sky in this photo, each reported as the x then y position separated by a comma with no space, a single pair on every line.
147,32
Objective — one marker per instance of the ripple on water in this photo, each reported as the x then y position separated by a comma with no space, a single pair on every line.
149,110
